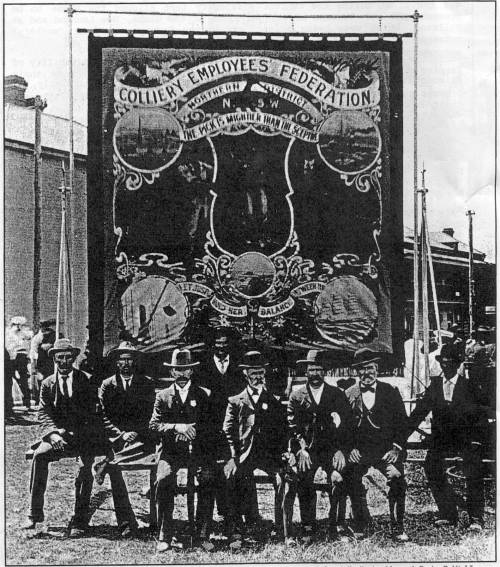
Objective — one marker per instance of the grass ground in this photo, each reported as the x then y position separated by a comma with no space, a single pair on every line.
102,545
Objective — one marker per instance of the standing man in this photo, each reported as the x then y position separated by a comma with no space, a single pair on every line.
41,362
181,417
320,422
17,342
255,428
70,428
126,403
379,441
222,376
458,428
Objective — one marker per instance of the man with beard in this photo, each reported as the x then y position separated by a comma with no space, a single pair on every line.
321,424
255,428
181,417
379,441
126,404
70,428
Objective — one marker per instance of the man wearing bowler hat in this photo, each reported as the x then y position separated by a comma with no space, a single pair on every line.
320,422
126,405
70,428
255,428
379,441
181,418
458,428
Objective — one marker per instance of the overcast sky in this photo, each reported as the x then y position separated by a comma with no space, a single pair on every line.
456,104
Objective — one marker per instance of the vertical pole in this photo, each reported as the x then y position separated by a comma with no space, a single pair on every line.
433,286
40,105
70,324
416,319
425,290
62,247
471,275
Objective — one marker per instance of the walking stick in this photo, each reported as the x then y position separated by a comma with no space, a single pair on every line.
190,494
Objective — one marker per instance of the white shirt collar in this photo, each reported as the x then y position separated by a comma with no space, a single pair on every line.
452,380
317,393
185,388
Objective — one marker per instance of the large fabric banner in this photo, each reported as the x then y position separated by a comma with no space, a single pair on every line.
256,188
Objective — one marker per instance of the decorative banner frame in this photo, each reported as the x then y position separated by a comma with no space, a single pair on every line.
244,183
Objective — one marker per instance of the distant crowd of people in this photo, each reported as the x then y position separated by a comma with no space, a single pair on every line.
217,415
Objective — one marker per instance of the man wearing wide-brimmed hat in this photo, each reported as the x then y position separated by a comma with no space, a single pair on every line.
126,403
255,427
458,428
320,422
181,417
379,441
70,427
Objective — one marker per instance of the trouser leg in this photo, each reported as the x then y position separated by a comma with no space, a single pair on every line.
472,464
123,509
21,365
397,494
165,487
335,495
249,504
8,381
357,493
444,496
43,455
205,506
307,497
83,491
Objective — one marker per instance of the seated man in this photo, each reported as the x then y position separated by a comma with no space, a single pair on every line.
181,417
255,429
321,423
126,404
379,441
70,428
459,426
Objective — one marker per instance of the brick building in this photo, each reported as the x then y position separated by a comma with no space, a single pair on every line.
19,121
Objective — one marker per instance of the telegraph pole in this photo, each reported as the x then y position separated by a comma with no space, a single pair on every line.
471,274
39,105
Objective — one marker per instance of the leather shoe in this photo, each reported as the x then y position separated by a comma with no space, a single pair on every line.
401,537
443,523
29,524
162,546
77,531
475,527
128,531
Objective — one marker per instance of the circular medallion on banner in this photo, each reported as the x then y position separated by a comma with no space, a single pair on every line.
252,274
349,141
154,311
147,139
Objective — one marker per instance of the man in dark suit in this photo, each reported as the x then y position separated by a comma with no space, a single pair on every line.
222,376
320,422
181,417
70,428
255,428
126,405
458,428
379,441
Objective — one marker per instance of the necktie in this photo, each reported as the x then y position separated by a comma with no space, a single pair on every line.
367,388
65,390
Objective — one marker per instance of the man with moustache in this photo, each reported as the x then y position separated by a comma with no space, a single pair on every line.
181,417
320,422
126,405
459,427
379,441
255,428
70,428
